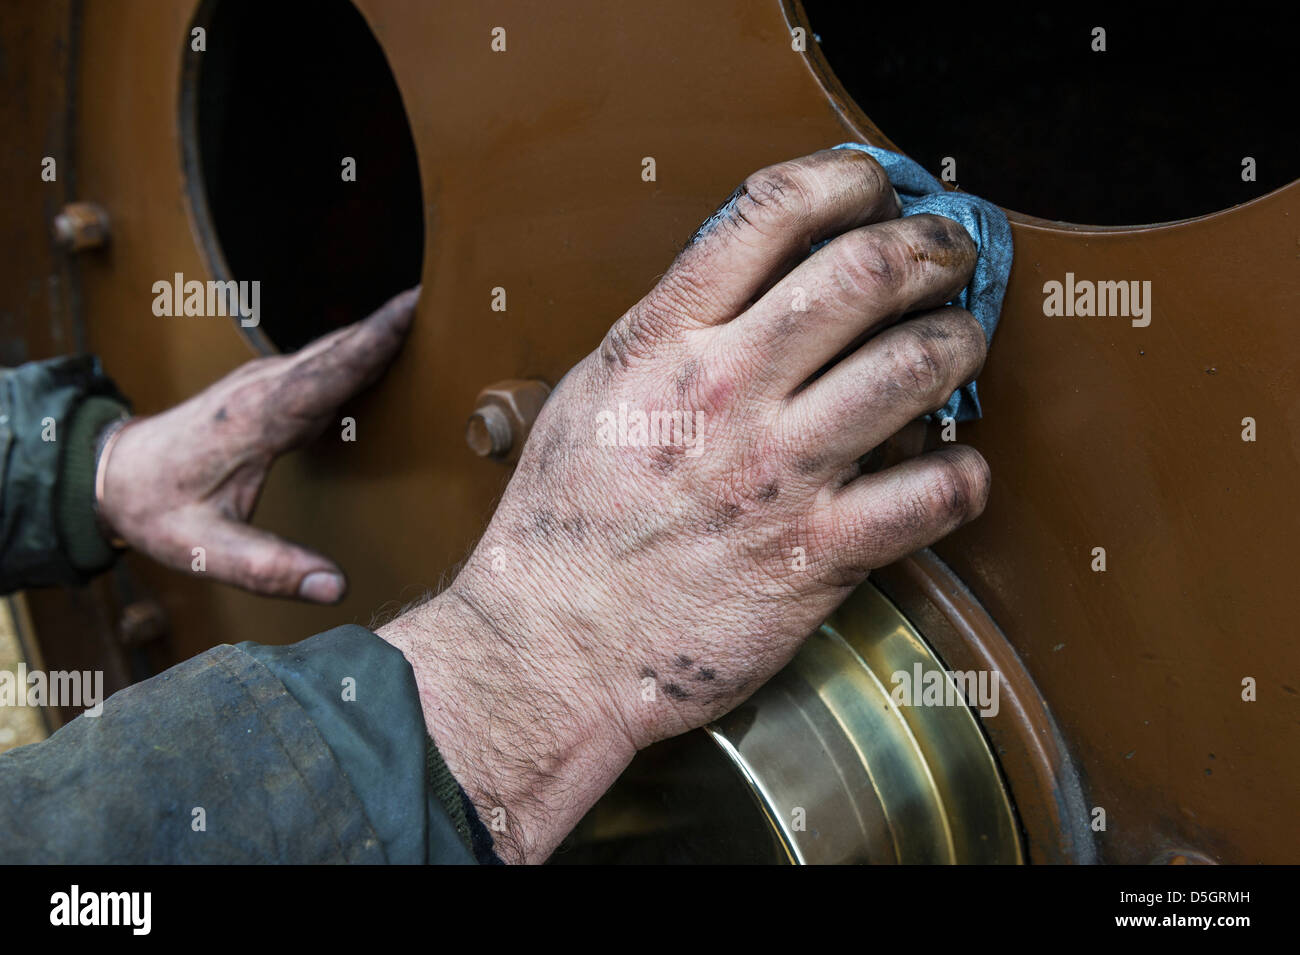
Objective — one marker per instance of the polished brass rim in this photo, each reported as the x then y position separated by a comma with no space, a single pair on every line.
828,763
845,771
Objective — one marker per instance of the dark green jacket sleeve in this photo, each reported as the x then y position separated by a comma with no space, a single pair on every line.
51,412
310,753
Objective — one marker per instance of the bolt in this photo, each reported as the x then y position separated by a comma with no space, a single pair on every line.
503,416
489,433
80,226
142,622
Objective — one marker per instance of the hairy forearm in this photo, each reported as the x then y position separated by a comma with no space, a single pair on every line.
513,716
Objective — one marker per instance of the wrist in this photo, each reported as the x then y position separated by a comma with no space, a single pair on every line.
105,442
516,710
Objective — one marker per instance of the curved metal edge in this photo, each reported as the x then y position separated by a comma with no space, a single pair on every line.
1046,788
860,125
846,107
930,735
196,204
762,798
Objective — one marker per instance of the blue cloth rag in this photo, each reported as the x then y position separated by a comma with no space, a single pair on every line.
921,192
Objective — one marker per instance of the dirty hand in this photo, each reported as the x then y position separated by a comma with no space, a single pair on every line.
190,477
630,586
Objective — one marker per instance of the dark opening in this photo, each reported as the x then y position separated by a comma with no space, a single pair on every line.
273,106
1151,130
681,802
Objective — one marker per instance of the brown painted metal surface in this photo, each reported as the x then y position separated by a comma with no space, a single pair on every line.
1099,434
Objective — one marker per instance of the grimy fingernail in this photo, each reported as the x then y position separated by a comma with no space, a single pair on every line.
322,587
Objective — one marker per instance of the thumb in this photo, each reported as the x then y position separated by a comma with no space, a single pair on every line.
263,563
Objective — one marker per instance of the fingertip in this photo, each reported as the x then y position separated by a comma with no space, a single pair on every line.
398,311
323,587
406,301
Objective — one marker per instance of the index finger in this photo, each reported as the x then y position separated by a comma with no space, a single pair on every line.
324,374
768,225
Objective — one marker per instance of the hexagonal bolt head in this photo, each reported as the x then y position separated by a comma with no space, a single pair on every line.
503,417
80,226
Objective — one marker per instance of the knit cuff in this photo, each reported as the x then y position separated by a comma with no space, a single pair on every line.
84,545
459,807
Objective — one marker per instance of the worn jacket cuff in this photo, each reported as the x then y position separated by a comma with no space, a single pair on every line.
83,543
39,403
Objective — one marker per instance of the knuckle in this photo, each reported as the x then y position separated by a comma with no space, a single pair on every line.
968,329
629,339
868,260
259,579
955,338
867,177
692,287
839,556
709,385
777,194
922,369
857,181
852,545
972,345
268,573
947,493
959,485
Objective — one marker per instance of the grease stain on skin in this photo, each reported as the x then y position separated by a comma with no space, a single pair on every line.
664,457
723,518
687,375
725,213
549,446
542,525
548,527
812,464
943,247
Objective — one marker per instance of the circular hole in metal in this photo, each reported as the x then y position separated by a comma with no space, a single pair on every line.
1154,129
271,109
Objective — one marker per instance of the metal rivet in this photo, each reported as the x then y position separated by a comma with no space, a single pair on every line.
80,226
